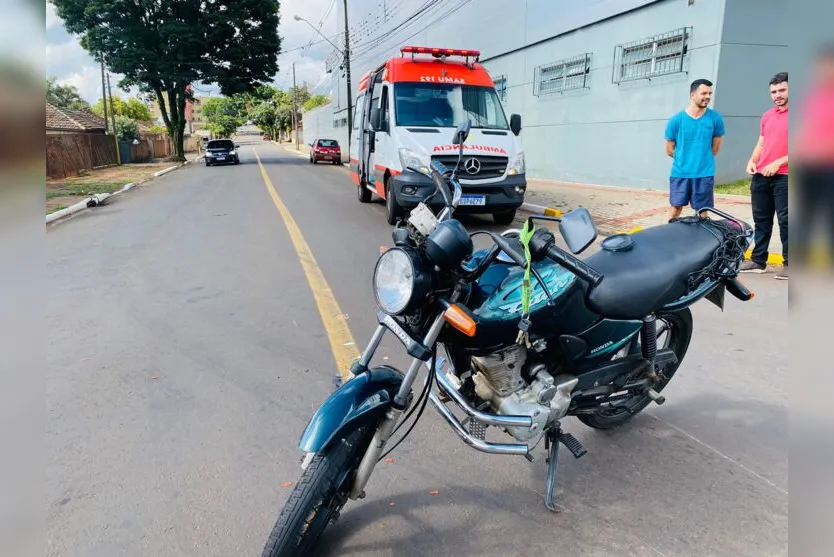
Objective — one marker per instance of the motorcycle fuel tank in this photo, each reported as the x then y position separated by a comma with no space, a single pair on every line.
496,302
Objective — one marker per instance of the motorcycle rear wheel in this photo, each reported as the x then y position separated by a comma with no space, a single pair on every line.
317,498
680,333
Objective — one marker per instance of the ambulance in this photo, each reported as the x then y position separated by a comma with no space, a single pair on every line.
406,113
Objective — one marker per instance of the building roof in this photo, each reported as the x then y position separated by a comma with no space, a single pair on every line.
72,120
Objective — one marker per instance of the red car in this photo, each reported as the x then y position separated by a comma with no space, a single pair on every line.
327,150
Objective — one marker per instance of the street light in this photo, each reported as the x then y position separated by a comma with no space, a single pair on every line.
299,18
346,55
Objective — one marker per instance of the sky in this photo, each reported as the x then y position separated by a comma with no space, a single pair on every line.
71,64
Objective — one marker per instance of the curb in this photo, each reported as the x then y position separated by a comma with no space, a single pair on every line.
99,198
541,210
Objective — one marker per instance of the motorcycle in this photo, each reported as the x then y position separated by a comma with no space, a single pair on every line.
531,334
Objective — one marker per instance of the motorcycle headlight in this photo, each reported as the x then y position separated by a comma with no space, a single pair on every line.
414,160
516,165
400,280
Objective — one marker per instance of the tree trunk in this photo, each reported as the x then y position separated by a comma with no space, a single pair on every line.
178,140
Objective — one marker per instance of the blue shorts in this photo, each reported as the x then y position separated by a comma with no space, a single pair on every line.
695,191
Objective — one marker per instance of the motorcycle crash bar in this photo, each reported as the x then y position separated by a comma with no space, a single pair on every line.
483,417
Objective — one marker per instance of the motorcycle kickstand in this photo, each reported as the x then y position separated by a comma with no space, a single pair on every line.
552,440
551,444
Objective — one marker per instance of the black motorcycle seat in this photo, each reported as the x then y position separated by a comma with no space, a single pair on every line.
654,272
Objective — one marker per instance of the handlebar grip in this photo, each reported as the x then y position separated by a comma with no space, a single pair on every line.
574,265
505,246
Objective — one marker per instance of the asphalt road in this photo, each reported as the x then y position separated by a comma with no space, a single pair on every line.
186,352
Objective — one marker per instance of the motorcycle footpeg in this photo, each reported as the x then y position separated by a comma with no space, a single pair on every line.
656,396
573,445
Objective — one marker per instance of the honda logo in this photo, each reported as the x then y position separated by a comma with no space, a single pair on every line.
472,166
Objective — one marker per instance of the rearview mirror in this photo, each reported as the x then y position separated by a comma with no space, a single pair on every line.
578,230
515,124
462,133
237,146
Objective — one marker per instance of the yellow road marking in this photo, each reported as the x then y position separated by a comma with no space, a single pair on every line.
335,324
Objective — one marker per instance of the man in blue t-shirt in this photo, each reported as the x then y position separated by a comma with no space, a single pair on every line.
693,139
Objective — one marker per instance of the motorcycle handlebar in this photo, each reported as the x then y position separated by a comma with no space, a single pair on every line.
506,247
574,265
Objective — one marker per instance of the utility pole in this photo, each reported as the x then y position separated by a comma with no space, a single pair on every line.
113,120
294,107
103,92
112,106
347,75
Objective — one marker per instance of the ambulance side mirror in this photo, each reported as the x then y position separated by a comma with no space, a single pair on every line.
515,124
376,118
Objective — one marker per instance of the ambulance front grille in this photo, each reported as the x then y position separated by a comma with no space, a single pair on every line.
490,166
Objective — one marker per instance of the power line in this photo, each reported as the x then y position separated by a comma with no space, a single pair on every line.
425,8
408,22
321,22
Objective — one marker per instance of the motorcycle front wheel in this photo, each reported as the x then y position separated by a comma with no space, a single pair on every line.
675,332
317,498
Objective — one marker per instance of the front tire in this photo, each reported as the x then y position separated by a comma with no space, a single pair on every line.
363,193
317,498
680,333
504,217
393,211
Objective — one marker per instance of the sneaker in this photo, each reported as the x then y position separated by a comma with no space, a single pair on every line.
752,267
783,274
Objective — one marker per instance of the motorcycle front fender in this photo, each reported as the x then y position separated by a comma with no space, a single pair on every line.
362,400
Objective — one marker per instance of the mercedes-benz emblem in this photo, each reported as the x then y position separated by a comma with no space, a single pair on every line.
472,165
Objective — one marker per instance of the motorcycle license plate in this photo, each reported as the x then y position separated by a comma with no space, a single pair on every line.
472,200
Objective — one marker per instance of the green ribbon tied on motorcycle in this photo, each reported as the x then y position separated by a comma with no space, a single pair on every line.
526,285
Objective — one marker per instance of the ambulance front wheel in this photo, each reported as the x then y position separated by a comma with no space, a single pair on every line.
504,217
393,211
363,193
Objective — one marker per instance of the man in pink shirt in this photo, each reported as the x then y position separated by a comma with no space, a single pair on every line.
769,188
813,152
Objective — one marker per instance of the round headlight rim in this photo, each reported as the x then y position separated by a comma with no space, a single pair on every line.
410,258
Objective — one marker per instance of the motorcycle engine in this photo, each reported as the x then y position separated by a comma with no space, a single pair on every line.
498,379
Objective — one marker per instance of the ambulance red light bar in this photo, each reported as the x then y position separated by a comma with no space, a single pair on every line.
440,51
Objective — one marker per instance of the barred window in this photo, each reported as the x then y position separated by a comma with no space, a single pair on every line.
663,54
564,75
501,86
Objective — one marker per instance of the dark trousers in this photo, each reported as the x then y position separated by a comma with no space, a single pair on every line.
814,196
769,195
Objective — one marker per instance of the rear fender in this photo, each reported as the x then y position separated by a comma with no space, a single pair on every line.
362,400
703,291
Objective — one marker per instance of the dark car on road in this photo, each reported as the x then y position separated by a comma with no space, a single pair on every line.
222,151
325,150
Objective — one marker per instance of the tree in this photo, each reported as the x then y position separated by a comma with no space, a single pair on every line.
64,96
223,115
165,45
263,116
316,101
132,108
126,128
117,106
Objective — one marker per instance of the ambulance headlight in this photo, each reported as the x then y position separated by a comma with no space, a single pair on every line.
412,160
516,165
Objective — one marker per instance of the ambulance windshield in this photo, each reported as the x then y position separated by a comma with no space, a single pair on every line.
446,105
